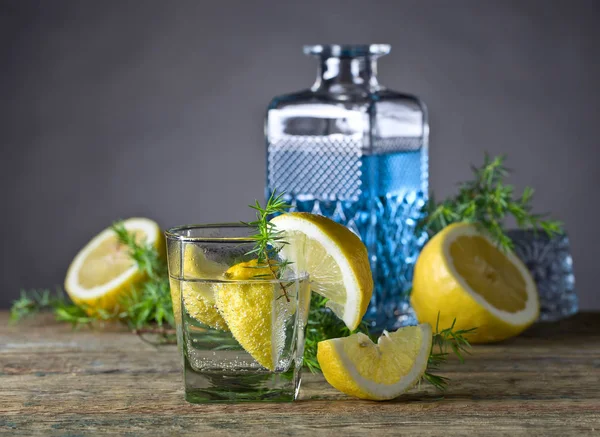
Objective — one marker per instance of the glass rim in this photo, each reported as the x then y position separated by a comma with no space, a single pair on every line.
175,233
347,50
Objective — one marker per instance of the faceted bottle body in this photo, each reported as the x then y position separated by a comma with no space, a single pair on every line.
356,152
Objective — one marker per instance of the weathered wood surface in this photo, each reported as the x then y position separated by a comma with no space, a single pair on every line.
56,381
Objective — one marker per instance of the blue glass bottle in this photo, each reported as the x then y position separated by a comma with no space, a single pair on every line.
354,151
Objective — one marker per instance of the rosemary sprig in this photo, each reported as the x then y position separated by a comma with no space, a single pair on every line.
442,342
269,241
35,301
488,201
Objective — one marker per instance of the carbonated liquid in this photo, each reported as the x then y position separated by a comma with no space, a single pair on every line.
216,368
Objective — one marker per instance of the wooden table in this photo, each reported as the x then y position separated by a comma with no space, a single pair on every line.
56,381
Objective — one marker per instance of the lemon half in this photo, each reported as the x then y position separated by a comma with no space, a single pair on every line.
463,275
102,273
334,257
358,367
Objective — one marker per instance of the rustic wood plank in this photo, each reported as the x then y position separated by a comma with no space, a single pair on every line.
54,380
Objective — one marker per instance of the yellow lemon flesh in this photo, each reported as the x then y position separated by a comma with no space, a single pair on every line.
334,257
102,274
197,294
251,270
358,367
462,275
198,299
255,313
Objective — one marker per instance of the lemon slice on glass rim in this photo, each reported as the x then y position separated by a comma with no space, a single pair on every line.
335,259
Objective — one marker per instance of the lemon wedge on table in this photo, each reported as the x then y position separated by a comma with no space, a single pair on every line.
358,367
255,313
102,273
335,259
462,275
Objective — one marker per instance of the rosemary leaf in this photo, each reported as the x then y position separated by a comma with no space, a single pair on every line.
488,202
268,240
443,342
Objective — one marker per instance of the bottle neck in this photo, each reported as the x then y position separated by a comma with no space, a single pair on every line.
339,74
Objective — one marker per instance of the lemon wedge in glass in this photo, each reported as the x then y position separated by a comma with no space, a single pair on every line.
462,275
198,296
335,259
255,313
102,273
199,302
358,367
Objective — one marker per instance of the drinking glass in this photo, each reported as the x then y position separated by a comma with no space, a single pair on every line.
240,331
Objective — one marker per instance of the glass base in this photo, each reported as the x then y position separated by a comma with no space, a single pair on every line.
240,385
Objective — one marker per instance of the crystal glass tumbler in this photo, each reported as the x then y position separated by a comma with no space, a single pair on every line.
551,265
240,324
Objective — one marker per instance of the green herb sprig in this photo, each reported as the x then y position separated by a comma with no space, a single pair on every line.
488,201
269,240
442,342
35,301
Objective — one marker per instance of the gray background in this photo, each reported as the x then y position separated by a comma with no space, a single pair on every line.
113,109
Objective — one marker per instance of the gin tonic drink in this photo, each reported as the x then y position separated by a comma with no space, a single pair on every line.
240,323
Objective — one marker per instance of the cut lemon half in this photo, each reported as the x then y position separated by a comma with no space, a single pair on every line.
462,275
103,272
335,259
358,367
